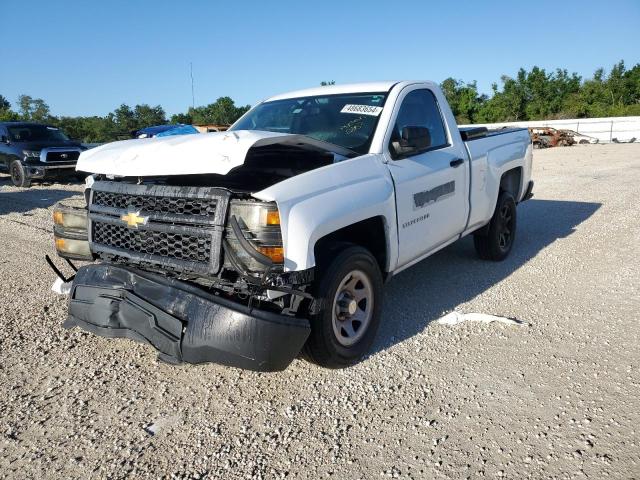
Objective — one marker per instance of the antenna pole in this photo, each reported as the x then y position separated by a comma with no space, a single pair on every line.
193,97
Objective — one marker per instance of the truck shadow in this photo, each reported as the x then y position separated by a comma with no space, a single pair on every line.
455,275
25,200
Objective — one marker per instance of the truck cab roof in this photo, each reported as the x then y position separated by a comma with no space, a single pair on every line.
367,87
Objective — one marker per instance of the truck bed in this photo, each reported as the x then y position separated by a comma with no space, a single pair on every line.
469,134
502,149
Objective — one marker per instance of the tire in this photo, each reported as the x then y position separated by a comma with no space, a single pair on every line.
344,329
495,243
19,175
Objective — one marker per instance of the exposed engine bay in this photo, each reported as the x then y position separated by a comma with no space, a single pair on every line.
263,167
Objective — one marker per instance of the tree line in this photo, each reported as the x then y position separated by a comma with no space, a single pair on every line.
122,121
541,95
530,95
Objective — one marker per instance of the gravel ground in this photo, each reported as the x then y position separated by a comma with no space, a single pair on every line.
557,398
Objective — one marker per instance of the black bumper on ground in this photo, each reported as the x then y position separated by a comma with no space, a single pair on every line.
183,322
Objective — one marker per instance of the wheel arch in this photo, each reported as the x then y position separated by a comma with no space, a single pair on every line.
511,181
370,233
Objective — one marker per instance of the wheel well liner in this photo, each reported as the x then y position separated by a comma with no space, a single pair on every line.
370,234
511,182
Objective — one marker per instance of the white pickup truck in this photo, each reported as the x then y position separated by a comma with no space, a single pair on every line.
248,246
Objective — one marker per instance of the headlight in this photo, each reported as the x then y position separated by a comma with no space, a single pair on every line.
67,218
70,232
260,225
31,153
255,216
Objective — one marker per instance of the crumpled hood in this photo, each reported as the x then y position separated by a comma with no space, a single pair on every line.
217,152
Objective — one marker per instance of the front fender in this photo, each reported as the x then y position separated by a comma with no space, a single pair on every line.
319,202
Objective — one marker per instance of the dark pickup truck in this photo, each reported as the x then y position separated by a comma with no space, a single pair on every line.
31,151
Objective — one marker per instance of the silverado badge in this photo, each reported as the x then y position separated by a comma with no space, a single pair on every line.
133,219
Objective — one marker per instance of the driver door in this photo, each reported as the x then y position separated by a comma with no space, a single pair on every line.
431,184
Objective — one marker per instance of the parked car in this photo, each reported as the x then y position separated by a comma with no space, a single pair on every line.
247,246
164,131
30,151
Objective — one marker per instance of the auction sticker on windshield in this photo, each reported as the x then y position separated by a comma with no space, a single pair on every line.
362,109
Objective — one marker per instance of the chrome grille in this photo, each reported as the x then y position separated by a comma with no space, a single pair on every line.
172,245
180,206
180,229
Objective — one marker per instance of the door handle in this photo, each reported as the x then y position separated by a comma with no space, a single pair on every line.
456,163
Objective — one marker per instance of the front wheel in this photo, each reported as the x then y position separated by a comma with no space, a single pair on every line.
496,242
19,175
350,294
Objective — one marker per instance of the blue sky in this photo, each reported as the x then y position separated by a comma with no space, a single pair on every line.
86,58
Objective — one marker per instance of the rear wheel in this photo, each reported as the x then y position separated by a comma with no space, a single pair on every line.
19,175
496,242
350,295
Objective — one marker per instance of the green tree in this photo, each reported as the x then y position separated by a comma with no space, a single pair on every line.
223,111
182,118
146,116
463,98
124,119
508,104
33,109
4,103
6,114
93,129
615,94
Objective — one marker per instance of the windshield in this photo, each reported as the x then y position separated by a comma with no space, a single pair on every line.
348,120
35,133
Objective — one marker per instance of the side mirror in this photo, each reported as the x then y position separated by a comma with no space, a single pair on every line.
4,139
412,140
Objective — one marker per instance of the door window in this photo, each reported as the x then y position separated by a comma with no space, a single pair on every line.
420,109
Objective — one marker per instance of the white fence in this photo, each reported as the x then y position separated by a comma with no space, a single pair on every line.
606,130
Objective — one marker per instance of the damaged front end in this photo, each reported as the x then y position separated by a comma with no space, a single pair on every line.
195,271
183,322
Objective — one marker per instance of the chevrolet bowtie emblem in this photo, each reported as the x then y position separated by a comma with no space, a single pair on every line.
133,219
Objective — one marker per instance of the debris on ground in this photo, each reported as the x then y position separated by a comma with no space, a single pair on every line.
60,287
546,137
455,318
162,423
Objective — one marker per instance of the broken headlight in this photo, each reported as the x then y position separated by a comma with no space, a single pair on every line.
254,227
70,232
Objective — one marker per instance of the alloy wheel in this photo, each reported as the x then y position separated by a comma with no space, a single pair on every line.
506,222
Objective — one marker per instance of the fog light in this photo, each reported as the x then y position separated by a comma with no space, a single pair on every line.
69,246
276,254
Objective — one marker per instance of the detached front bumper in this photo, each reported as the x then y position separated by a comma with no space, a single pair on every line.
183,322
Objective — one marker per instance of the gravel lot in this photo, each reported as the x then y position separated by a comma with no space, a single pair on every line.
558,397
